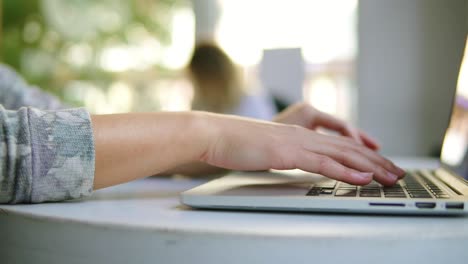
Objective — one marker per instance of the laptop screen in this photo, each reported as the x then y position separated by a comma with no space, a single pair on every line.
455,147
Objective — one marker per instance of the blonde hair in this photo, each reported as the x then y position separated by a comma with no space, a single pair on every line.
215,78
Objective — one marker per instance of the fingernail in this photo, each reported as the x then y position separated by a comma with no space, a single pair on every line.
363,175
401,171
392,176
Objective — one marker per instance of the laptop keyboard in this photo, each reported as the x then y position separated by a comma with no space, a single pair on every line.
414,185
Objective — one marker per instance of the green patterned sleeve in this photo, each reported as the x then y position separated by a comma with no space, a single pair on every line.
45,155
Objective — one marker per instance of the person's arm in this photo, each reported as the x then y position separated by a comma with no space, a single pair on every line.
16,93
131,146
51,155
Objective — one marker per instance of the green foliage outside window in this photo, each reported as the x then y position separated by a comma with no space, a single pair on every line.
51,42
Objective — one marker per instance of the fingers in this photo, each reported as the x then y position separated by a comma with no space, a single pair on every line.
298,114
354,134
330,122
305,115
378,159
341,143
347,152
312,162
359,162
369,141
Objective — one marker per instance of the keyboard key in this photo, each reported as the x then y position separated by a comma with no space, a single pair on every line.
373,184
330,184
347,186
314,192
433,188
395,195
346,193
394,192
326,191
369,188
369,194
400,195
420,195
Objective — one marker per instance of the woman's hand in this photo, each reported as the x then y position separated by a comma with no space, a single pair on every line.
303,114
136,145
246,144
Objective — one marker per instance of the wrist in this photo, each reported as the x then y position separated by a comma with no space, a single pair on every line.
201,134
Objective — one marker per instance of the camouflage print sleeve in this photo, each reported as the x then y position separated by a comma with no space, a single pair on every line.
45,155
16,93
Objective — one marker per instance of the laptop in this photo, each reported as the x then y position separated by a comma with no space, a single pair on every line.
441,191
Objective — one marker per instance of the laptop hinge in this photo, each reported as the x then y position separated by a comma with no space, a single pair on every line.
455,183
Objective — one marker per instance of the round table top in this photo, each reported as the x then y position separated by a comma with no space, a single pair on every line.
153,204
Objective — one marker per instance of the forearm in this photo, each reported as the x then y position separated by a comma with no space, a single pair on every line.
131,146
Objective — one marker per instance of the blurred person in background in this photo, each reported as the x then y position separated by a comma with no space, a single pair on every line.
218,86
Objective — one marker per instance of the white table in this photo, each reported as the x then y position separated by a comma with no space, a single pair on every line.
143,222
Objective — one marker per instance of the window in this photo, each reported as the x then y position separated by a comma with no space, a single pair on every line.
324,30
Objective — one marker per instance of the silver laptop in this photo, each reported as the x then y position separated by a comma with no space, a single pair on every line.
443,191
